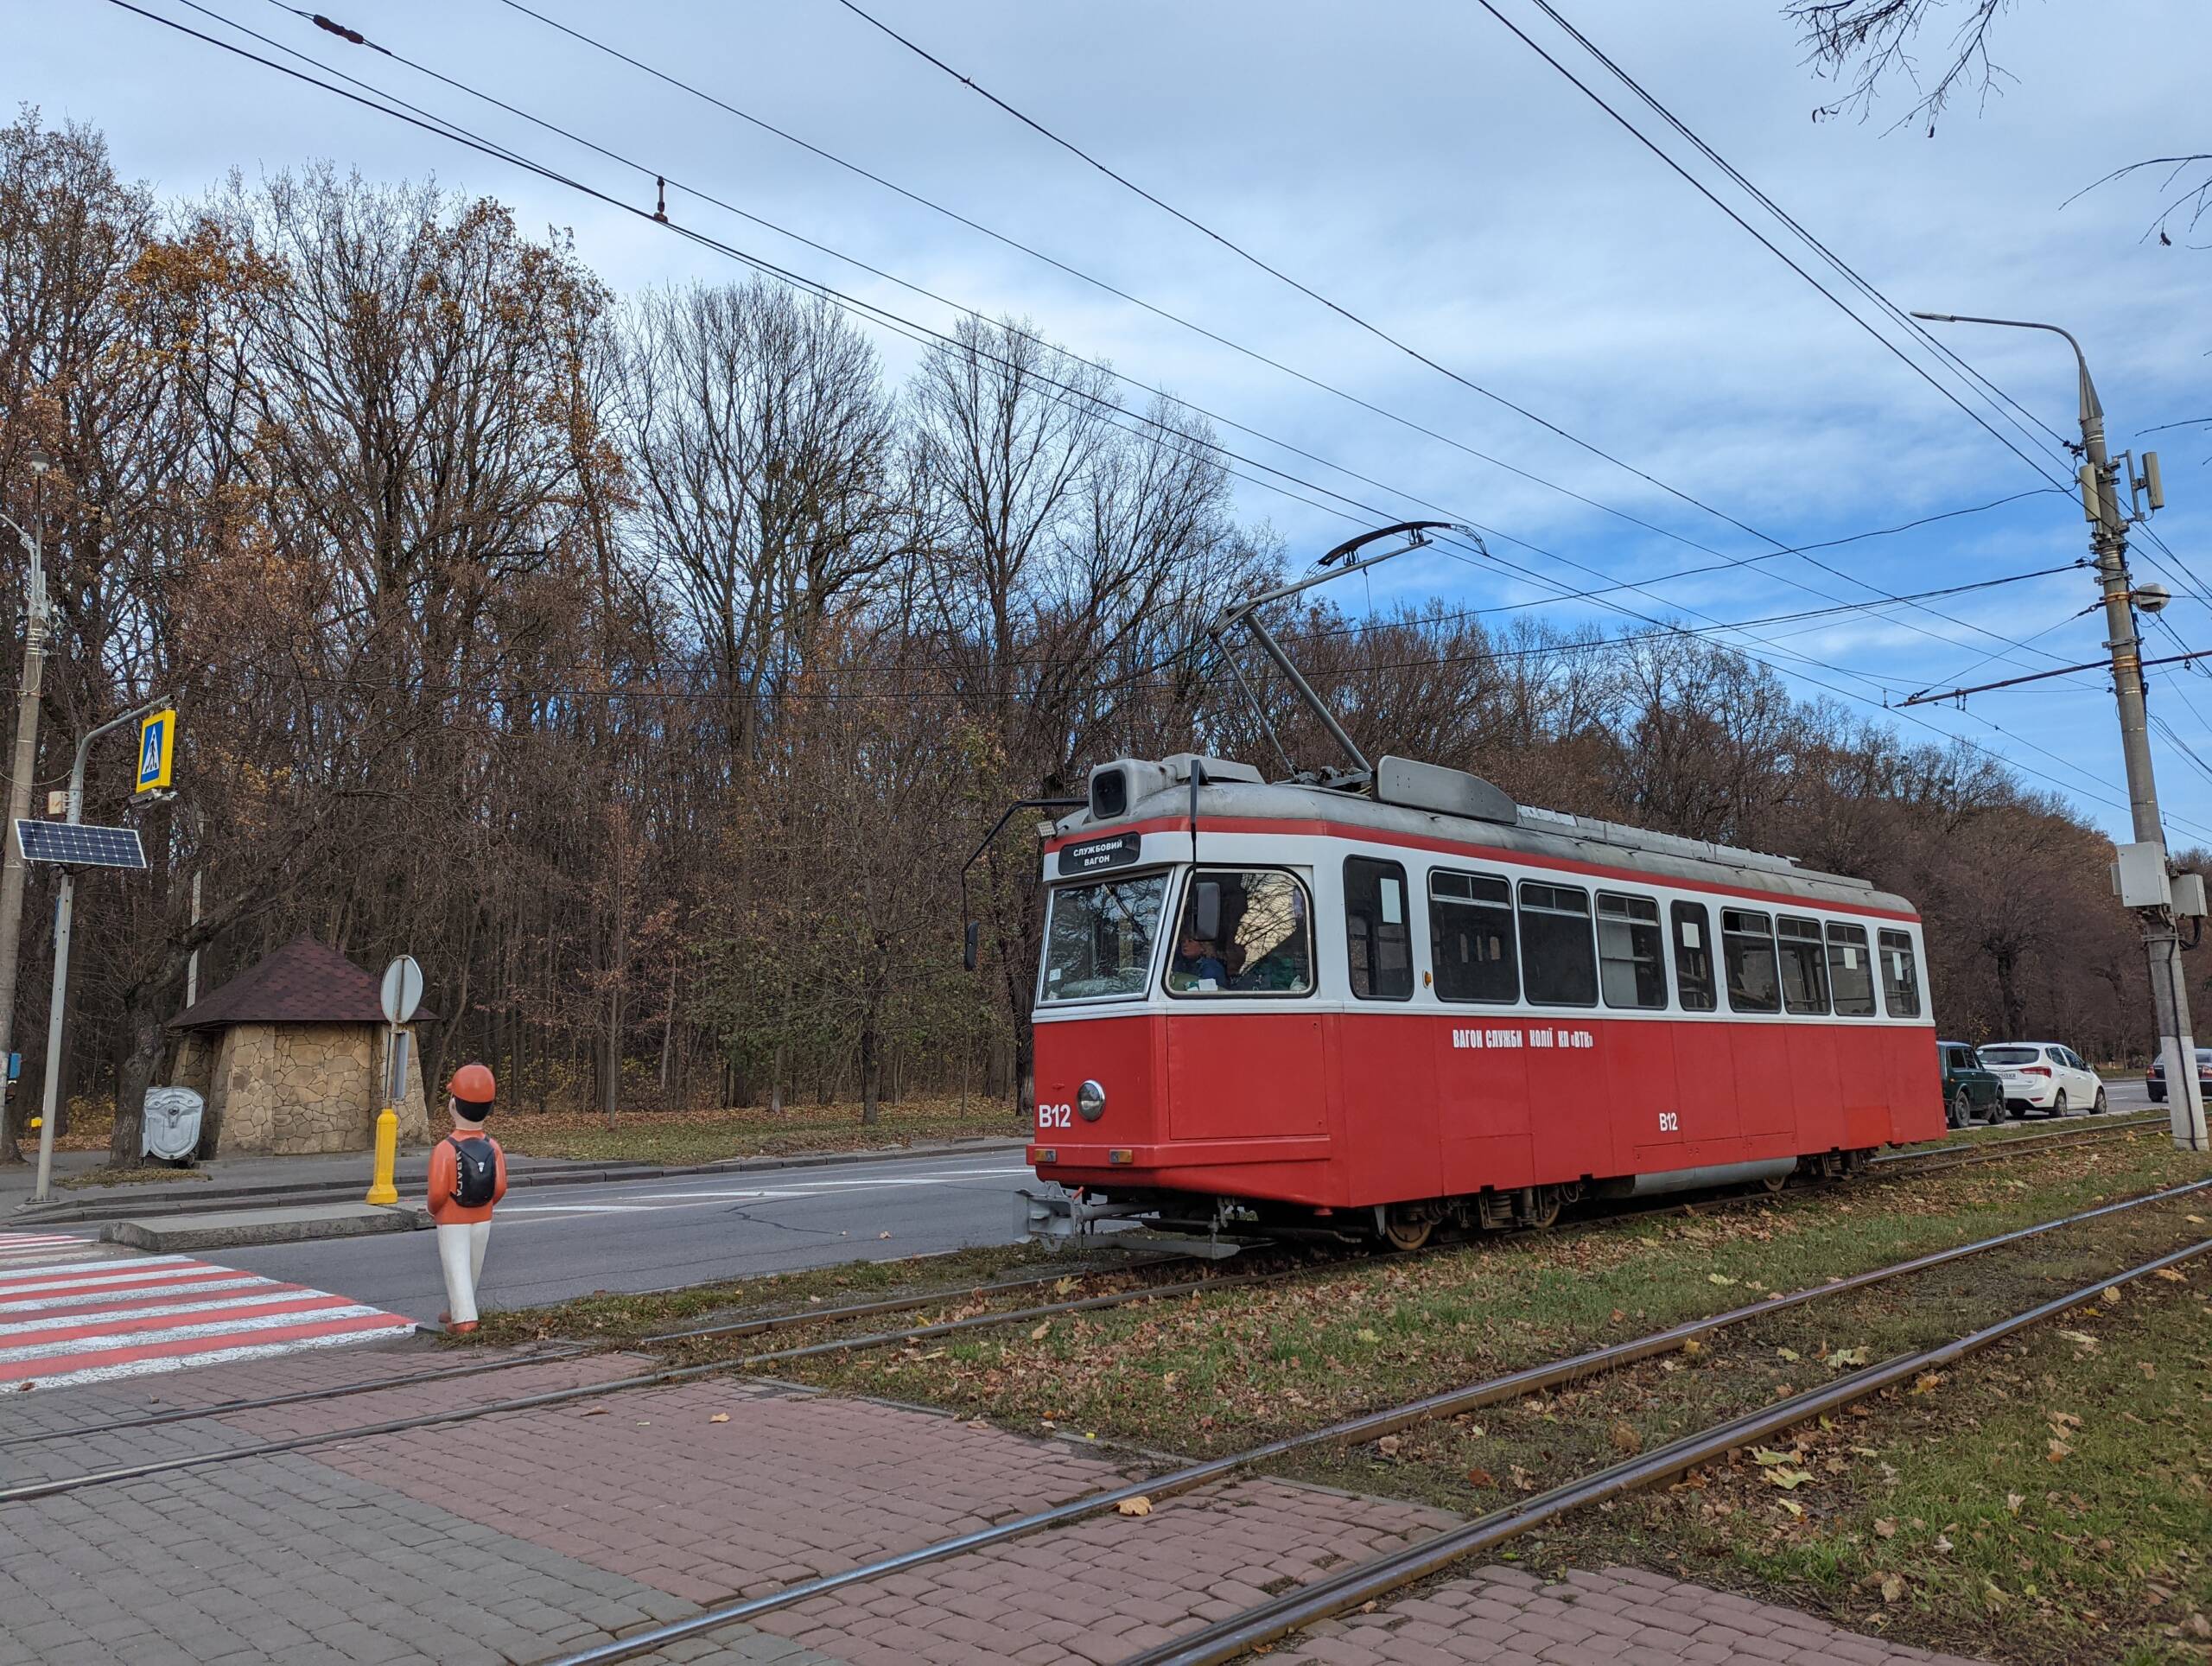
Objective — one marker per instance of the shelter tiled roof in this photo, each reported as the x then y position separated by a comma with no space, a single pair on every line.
303,982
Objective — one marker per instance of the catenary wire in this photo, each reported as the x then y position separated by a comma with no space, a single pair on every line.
1997,395
1107,369
1404,347
768,268
924,335
1455,376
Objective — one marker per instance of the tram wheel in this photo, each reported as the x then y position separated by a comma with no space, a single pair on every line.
1402,1229
1774,1183
1540,1207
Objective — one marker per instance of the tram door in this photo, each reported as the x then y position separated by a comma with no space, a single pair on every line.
1245,1054
1387,1078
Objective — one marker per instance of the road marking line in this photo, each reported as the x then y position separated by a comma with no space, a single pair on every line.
129,1298
94,1321
152,1366
109,1267
142,1315
159,1332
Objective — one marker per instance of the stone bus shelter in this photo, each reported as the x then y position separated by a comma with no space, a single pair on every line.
291,1056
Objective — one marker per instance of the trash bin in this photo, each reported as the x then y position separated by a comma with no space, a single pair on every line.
171,1130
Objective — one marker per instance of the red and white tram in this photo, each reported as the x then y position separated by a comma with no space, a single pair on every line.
1378,1010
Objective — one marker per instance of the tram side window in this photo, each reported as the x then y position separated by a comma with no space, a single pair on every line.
1804,965
1631,967
1900,975
1693,957
1471,937
1558,961
1261,942
1378,943
1747,949
1851,970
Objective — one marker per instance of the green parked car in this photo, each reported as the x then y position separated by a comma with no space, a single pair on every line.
1971,1094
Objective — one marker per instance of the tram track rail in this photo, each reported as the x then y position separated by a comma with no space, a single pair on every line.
1238,1634
1898,1164
298,1397
1507,1386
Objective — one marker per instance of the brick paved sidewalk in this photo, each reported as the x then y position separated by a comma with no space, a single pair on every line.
1503,1617
526,1536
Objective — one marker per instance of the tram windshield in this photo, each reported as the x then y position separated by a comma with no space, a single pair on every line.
1098,937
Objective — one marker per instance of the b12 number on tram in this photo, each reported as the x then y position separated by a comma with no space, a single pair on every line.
1055,1116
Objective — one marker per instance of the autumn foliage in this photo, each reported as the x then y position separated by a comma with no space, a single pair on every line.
649,667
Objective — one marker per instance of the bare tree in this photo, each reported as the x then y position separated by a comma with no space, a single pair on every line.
1867,45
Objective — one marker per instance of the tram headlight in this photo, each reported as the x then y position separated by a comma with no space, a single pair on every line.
1091,1102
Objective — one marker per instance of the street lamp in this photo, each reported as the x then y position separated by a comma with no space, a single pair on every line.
2145,885
26,764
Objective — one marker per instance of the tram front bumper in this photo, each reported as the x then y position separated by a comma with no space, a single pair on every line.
1048,1217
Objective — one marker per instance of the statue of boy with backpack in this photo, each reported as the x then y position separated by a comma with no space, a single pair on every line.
468,1176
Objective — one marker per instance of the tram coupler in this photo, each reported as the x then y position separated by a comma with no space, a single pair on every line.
1069,1217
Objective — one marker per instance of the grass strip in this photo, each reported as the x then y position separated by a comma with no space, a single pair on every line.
1213,1373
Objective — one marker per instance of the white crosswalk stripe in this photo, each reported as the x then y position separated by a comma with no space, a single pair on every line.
73,1311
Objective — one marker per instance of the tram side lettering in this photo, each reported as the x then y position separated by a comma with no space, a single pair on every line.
1523,1038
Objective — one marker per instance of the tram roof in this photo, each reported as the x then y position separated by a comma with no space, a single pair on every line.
1535,832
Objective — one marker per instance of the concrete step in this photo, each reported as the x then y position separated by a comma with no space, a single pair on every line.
228,1229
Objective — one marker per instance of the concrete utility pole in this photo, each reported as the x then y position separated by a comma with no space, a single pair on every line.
2146,881
25,766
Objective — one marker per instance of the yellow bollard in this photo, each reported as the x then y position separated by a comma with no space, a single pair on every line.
381,1189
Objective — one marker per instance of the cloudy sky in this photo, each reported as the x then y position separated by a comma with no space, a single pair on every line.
1421,167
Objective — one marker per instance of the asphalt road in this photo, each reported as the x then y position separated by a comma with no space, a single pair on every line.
552,1242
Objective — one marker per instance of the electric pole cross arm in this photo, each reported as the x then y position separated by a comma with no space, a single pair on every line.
2152,905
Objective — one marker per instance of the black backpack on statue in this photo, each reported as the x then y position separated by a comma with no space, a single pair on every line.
476,1171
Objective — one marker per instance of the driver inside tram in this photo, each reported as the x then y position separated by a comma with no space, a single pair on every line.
1198,965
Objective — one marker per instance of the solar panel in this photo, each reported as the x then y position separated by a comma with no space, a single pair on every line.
72,844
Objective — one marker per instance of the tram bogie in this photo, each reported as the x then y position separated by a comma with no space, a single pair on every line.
1392,1005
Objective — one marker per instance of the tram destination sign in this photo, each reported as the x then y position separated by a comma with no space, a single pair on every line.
1096,855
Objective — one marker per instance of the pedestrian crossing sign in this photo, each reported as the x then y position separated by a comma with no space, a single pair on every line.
156,750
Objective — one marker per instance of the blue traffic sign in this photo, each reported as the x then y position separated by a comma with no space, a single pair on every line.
156,750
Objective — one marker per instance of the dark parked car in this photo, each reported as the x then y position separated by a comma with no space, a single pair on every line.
1971,1094
2155,1077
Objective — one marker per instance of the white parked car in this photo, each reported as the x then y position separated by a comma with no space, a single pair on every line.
2043,1076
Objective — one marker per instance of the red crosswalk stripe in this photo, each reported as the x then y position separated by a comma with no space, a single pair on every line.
75,1311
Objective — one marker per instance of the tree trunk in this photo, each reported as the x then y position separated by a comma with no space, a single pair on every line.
2009,998
141,1034
871,1048
612,1075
